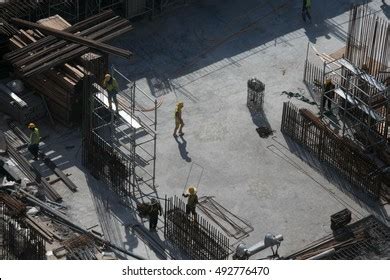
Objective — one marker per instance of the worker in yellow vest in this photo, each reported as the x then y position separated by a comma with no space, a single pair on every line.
111,85
35,138
192,201
306,7
178,119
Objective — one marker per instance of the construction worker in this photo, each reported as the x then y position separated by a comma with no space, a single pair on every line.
155,210
192,201
111,85
178,119
33,147
328,93
306,7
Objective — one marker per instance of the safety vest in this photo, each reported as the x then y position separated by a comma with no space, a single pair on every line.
177,113
111,85
192,200
34,137
308,3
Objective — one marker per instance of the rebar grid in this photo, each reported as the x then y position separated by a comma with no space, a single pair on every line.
308,130
196,237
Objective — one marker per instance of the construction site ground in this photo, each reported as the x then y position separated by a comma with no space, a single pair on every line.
203,54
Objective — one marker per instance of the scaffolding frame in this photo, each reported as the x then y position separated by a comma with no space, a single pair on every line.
360,100
127,142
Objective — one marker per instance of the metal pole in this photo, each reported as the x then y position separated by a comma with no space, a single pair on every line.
323,91
346,102
155,142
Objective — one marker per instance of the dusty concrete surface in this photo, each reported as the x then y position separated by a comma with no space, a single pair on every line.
203,54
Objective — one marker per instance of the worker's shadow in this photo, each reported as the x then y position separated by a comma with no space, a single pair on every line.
183,148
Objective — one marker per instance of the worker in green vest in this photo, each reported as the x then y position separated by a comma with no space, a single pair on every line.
33,146
306,7
178,119
111,85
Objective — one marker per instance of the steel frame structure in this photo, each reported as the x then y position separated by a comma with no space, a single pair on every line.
121,149
360,100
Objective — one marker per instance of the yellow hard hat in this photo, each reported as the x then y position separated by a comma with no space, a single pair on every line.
180,104
107,77
31,125
328,80
192,190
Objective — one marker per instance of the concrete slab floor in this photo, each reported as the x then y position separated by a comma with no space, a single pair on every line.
203,54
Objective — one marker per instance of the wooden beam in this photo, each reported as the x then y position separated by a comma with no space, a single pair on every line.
44,42
71,54
74,38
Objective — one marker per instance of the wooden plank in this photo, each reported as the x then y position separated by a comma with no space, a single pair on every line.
75,38
60,174
27,37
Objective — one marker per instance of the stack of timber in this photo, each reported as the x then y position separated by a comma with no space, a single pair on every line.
56,68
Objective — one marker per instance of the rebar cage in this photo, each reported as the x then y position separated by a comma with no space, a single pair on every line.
17,240
196,237
307,129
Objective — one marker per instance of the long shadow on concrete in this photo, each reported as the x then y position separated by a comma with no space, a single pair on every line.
260,119
363,199
182,145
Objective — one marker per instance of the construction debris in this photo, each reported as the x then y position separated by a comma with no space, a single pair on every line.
264,131
365,239
32,173
299,97
340,219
